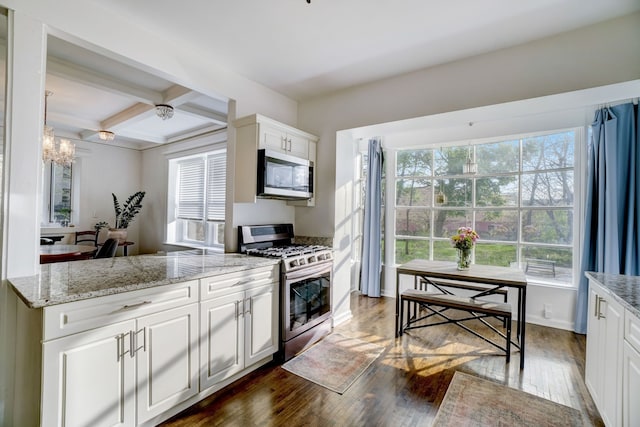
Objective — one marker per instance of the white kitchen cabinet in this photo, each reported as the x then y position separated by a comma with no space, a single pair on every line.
261,323
256,132
630,385
282,140
124,373
603,373
166,351
631,370
238,330
222,344
89,378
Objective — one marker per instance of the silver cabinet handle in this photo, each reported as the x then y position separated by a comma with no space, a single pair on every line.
249,305
121,342
132,344
134,341
244,282
138,304
596,302
600,301
119,349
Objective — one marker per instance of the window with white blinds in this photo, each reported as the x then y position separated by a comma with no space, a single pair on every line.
197,196
201,187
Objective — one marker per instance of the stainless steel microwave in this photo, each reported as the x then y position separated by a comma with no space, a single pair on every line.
282,176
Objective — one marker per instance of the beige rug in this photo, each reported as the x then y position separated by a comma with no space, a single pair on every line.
335,362
472,401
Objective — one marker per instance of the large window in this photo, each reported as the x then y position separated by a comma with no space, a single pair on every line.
520,201
57,192
197,197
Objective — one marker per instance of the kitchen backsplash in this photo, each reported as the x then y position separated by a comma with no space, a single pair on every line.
309,240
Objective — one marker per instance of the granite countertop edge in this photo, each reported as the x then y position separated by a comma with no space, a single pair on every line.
51,286
624,288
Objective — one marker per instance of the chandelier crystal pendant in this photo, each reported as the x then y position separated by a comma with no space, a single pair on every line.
59,152
164,111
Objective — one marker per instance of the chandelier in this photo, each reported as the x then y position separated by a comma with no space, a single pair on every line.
164,111
470,166
60,152
106,135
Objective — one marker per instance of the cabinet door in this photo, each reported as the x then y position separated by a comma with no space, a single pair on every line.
298,146
631,386
261,317
273,139
166,346
222,338
593,365
611,339
89,378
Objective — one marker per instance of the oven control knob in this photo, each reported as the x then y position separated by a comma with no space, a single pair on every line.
312,258
303,261
294,263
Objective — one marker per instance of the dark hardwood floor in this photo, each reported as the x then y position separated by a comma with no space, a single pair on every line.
405,385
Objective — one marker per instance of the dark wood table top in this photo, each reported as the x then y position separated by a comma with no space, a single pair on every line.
61,253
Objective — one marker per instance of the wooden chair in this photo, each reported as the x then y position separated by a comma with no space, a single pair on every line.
108,249
87,237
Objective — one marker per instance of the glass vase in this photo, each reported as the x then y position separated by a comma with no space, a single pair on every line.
464,259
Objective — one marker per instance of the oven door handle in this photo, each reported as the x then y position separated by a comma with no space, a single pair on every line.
308,271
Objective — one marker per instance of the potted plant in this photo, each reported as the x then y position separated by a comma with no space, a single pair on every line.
125,214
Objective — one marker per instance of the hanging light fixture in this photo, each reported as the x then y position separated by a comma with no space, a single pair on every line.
106,135
470,166
164,111
62,152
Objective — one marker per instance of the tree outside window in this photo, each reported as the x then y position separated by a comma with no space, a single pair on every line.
520,202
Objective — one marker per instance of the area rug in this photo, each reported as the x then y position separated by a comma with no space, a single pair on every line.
335,362
472,401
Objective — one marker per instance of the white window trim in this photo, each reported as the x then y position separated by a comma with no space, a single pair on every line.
580,153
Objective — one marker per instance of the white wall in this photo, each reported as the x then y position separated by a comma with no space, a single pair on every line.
586,58
103,170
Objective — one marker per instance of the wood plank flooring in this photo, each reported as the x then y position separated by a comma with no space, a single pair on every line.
406,384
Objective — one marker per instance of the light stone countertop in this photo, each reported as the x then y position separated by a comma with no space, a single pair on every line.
625,289
64,282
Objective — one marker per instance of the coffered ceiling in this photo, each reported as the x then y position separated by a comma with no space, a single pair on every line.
93,93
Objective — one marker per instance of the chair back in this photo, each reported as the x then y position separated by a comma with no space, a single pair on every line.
108,249
87,238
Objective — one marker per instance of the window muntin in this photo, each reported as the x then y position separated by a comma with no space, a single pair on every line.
520,202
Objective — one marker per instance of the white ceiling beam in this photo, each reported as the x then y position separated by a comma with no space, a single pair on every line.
62,120
132,114
193,133
178,95
203,113
125,133
79,74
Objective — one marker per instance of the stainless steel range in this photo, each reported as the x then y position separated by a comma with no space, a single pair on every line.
305,283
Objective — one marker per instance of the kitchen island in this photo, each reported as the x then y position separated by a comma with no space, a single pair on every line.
134,340
73,281
612,369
